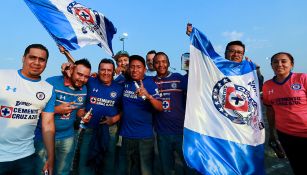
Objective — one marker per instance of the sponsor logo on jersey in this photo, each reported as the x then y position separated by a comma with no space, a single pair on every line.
22,103
40,95
166,104
6,112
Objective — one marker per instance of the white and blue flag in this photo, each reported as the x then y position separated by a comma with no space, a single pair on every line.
223,128
73,25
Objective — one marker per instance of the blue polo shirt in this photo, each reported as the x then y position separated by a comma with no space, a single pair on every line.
136,121
64,123
104,100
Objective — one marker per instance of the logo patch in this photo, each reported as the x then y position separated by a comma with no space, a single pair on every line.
113,94
93,100
6,112
235,103
296,86
174,85
40,95
80,99
166,104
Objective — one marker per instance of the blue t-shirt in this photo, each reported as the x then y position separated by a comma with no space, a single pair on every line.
172,90
104,100
64,124
136,121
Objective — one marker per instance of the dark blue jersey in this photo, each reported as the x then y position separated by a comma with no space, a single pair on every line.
104,100
172,90
136,121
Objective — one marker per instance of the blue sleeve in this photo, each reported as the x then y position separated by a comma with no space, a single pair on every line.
153,89
51,103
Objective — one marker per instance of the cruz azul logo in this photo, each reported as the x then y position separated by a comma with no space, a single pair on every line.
236,103
88,17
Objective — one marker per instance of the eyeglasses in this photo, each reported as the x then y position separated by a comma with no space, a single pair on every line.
235,51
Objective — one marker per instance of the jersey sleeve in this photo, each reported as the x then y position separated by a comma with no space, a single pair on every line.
51,103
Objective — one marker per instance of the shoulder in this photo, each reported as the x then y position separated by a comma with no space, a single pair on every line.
55,79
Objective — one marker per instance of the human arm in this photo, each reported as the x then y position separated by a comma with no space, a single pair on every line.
270,114
157,104
48,132
67,54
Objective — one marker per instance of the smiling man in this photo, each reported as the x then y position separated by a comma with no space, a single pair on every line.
70,99
169,123
23,98
104,97
139,104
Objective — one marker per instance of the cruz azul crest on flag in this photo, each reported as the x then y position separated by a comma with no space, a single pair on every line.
223,127
89,18
73,25
235,102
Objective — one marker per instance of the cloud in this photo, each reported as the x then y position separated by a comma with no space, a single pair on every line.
233,35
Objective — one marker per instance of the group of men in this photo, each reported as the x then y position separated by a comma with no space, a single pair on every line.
129,102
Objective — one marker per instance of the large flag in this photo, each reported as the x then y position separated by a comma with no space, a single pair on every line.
223,129
73,25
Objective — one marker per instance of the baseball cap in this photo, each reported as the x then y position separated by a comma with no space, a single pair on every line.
120,54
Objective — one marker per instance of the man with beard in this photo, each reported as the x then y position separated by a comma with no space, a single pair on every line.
70,98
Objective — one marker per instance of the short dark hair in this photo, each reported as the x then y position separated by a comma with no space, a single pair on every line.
237,42
83,62
285,53
107,61
137,57
36,46
151,52
163,54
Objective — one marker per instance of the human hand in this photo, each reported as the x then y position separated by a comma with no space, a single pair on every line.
65,108
142,92
48,167
189,29
66,69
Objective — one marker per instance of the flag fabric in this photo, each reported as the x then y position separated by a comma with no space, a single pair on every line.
73,25
223,129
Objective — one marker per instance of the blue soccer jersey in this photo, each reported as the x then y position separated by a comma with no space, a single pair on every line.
104,100
136,121
64,123
173,90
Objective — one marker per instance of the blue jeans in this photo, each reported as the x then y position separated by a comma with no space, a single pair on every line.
171,155
136,156
64,153
23,166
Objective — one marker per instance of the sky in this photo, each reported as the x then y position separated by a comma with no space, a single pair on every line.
266,27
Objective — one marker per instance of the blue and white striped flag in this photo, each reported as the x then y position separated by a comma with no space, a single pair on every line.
223,129
73,25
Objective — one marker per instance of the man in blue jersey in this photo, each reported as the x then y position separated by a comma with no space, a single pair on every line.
122,62
24,96
169,123
70,99
139,103
104,97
